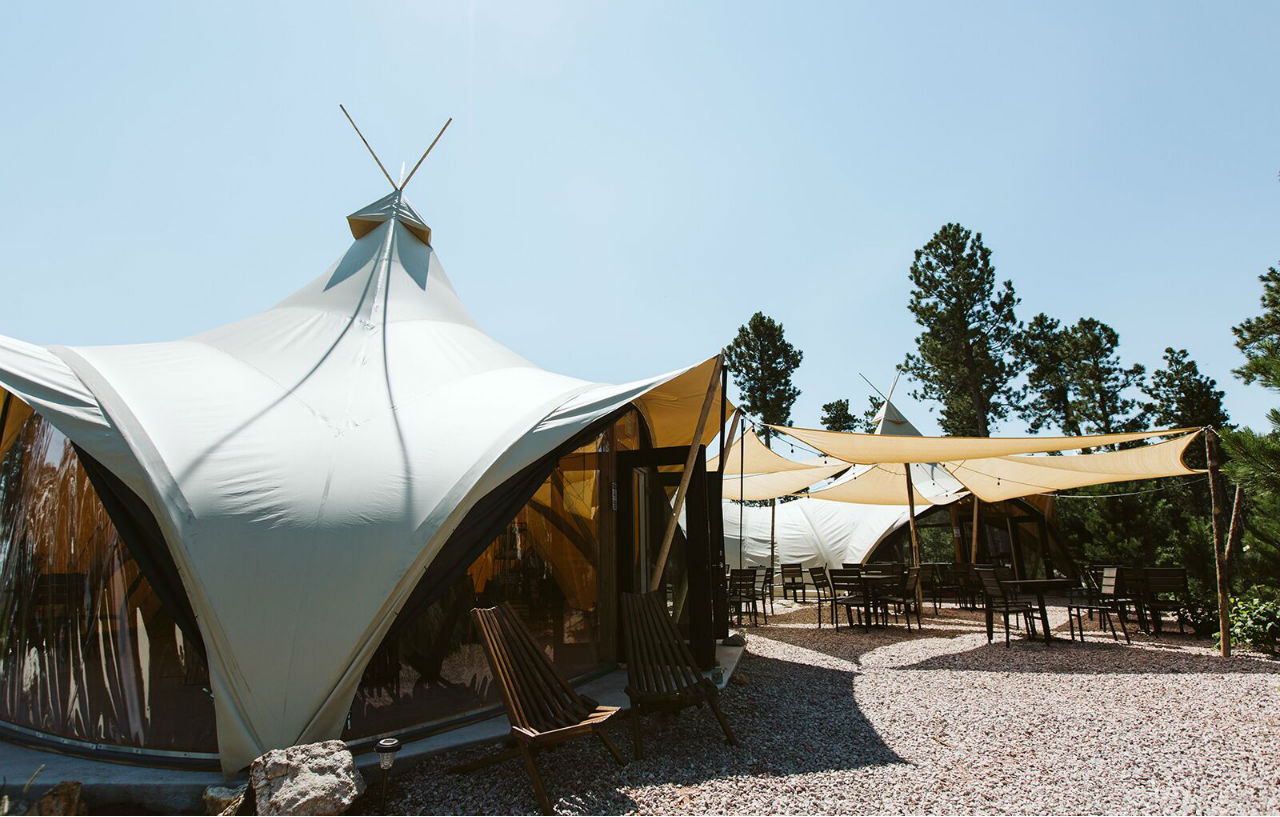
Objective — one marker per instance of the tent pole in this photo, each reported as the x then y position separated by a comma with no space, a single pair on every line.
724,460
973,555
742,503
911,521
773,523
655,581
1217,503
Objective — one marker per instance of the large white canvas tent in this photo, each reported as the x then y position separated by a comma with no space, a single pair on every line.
812,532
305,466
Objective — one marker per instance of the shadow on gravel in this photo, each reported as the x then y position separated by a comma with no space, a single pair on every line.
1093,658
790,718
851,644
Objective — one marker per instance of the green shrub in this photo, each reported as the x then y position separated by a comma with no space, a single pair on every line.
1201,613
1255,621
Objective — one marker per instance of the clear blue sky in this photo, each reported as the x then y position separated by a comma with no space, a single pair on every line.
622,187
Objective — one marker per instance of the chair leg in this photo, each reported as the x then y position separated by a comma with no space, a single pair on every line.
1006,628
637,743
1071,625
724,724
611,746
536,779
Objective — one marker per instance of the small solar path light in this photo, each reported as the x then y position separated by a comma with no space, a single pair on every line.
386,749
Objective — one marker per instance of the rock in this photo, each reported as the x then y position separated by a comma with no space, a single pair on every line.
63,798
735,640
317,778
224,799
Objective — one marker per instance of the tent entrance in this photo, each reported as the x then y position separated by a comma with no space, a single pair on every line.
646,485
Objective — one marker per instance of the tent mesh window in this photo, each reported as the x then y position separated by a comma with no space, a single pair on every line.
545,563
87,650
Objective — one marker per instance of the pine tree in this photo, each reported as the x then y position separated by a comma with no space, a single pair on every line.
762,362
1180,396
1259,338
1101,384
1043,353
837,417
963,357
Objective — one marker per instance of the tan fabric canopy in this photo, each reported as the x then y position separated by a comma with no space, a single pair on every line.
749,455
873,448
996,478
782,483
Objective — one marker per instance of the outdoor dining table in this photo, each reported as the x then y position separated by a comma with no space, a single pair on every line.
1038,587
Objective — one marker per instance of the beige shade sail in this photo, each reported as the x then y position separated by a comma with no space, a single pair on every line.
1000,478
875,448
886,484
749,455
781,483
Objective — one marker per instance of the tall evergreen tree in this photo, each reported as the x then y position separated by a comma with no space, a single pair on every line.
1042,350
837,417
1101,384
762,362
963,357
1180,396
1258,338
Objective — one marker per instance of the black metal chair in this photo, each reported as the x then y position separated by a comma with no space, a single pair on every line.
793,582
1102,600
999,599
765,591
846,592
905,600
822,591
743,593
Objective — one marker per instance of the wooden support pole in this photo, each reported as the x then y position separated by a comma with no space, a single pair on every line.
911,521
1217,504
773,523
655,581
973,554
911,516
1234,530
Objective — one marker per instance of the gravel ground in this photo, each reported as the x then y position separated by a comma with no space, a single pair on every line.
934,721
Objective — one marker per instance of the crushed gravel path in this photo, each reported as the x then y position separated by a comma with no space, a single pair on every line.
929,722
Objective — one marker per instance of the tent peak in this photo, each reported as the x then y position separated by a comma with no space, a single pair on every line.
395,206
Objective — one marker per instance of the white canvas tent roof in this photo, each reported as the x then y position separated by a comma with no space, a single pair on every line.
306,464
810,531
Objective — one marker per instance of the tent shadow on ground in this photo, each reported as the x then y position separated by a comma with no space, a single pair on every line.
1067,657
818,711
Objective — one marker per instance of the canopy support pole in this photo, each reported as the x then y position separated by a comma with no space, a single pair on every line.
1233,531
1217,504
911,521
973,554
773,523
655,581
742,503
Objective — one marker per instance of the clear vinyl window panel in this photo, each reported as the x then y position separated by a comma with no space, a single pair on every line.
87,651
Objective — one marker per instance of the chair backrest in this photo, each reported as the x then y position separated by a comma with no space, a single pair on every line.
1166,581
766,578
1110,584
821,583
742,581
658,659
535,694
1132,582
990,584
845,582
792,571
912,581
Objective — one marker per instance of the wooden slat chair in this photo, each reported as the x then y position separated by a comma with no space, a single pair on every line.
904,598
661,673
1167,592
847,592
543,708
793,582
743,593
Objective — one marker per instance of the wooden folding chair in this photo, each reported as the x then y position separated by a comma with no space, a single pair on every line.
661,673
543,709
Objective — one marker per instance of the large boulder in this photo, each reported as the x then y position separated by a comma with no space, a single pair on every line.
224,799
318,778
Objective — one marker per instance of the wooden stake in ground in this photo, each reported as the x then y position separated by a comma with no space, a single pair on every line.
1218,505
655,581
